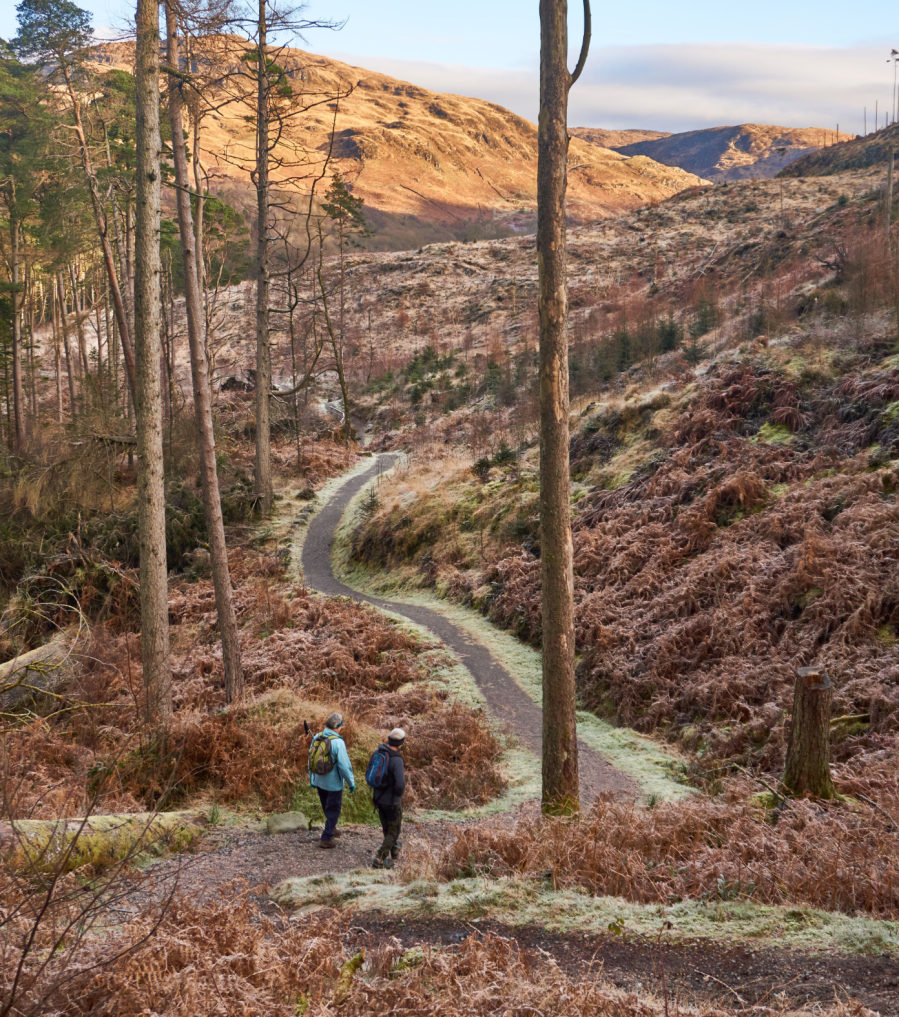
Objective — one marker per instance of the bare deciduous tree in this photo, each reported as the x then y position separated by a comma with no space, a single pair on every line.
560,762
199,366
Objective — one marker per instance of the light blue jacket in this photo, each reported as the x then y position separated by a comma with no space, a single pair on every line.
343,771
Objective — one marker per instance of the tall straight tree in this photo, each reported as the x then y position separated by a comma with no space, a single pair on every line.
24,122
262,472
560,763
154,609
56,32
275,106
199,367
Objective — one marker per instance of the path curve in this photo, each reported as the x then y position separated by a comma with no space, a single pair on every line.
505,698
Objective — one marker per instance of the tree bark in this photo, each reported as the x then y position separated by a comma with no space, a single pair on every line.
78,307
888,203
560,758
199,368
262,474
102,229
338,358
18,391
807,771
64,321
148,402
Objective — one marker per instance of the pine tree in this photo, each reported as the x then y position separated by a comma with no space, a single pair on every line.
221,577
154,611
25,126
560,756
349,228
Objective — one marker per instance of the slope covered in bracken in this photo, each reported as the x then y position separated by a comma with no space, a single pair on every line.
735,500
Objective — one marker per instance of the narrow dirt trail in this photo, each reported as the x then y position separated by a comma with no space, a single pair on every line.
505,698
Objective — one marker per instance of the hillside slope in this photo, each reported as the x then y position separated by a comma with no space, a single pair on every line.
858,153
447,159
734,153
734,467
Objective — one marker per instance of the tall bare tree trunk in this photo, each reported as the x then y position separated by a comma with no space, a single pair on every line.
888,196
338,357
57,360
560,762
64,320
78,308
103,231
262,476
148,402
199,367
18,391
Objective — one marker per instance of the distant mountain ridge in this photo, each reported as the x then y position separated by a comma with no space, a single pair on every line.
448,159
733,153
616,140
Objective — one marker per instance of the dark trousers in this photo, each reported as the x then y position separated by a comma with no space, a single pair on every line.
332,802
391,817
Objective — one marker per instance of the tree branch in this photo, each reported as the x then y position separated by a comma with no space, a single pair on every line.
585,45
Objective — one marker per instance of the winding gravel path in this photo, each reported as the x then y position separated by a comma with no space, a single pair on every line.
505,698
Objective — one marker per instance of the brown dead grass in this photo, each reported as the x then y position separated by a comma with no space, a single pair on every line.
303,657
757,532
200,960
839,858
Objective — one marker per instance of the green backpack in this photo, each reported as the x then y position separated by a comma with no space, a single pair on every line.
322,759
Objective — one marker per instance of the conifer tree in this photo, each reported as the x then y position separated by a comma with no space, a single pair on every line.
157,667
191,258
560,762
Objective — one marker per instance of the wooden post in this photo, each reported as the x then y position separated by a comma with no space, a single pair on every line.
807,771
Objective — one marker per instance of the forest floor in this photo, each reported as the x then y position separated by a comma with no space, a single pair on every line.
725,963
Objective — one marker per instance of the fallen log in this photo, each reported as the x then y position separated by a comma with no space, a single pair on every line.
38,672
32,846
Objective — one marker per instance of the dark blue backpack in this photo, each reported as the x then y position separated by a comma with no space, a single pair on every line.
378,769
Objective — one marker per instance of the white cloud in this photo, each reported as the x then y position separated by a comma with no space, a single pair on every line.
682,87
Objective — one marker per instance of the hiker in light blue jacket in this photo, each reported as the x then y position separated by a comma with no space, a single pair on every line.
330,785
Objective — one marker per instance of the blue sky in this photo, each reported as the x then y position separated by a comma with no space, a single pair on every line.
663,65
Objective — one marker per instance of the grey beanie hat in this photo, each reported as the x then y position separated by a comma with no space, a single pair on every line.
397,736
334,721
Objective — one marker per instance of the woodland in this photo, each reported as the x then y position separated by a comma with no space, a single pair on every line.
210,329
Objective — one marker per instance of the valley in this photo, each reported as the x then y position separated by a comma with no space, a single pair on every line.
377,545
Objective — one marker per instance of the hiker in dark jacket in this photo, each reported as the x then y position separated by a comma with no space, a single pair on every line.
388,799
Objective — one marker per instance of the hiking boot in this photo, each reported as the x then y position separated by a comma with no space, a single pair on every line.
382,863
337,833
327,844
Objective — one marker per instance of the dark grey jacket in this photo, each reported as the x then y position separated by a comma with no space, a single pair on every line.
391,791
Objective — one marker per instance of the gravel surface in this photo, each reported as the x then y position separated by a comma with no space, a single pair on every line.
733,978
505,698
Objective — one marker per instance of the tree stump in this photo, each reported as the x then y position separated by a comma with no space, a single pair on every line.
807,771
